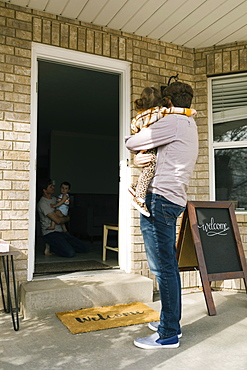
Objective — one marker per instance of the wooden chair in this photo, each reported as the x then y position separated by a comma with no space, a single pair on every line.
107,227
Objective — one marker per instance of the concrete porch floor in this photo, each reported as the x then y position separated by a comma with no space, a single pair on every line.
208,342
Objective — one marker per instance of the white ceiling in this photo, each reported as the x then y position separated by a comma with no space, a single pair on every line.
191,23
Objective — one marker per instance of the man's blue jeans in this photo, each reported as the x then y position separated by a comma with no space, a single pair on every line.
64,244
159,233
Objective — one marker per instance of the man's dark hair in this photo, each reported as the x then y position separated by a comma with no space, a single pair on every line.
44,183
179,93
66,183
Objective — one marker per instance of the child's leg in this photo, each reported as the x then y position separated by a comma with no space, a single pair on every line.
145,177
64,228
52,227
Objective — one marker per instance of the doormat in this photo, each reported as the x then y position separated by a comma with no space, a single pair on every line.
99,318
70,266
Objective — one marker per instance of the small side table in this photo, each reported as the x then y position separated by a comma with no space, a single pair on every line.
7,302
107,227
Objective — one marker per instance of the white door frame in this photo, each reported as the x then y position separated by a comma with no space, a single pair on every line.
94,62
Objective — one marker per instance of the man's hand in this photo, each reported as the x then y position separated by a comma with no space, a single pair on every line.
141,159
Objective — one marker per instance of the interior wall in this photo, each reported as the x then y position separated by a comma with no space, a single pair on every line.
78,128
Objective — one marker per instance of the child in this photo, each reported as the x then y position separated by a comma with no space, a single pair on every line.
62,205
151,109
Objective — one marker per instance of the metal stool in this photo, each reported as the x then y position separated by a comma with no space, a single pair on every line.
107,227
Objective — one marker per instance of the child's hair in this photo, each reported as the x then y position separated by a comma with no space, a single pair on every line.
66,183
150,97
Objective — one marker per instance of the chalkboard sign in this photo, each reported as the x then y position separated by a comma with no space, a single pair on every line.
209,241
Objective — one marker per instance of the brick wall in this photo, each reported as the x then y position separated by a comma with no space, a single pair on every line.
152,63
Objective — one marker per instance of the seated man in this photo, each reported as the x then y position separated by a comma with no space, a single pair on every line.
61,243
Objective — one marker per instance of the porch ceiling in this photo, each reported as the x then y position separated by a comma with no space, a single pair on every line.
191,23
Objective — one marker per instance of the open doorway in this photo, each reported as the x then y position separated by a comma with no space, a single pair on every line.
78,142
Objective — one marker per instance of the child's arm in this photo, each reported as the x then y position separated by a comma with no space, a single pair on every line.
177,110
64,198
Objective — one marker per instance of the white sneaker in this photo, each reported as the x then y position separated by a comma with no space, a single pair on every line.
154,342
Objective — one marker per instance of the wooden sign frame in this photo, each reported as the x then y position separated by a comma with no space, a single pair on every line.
191,251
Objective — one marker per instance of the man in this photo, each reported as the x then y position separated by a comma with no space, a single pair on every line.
176,139
61,243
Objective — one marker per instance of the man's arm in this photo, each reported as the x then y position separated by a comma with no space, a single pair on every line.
64,198
159,133
58,220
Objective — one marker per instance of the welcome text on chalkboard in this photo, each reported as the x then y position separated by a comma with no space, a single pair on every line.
209,240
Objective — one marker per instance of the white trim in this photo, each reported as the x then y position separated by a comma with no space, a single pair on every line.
210,142
95,62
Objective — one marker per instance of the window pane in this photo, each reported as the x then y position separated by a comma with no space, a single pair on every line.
229,104
230,131
231,175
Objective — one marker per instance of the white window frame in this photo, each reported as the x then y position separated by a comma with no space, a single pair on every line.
218,145
95,62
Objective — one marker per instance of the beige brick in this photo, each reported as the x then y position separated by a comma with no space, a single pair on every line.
81,39
243,59
6,106
64,35
37,27
19,25
106,45
22,146
5,225
5,165
19,117
22,71
6,68
24,127
98,43
16,174
24,44
5,86
25,35
55,33
22,80
2,21
21,152
46,31
73,37
5,204
20,204
5,184
23,52
20,185
235,60
15,195
23,16
8,13
5,145
122,48
114,46
18,98
4,49
13,59
22,89
16,234
7,31
23,108
19,225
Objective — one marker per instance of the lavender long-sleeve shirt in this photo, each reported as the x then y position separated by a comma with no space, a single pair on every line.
176,138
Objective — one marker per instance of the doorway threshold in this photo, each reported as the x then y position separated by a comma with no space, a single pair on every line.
75,275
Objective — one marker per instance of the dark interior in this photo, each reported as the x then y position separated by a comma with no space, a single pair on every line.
78,141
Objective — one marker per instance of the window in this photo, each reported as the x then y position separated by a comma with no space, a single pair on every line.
228,128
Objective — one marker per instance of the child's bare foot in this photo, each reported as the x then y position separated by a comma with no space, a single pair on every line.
47,251
50,228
